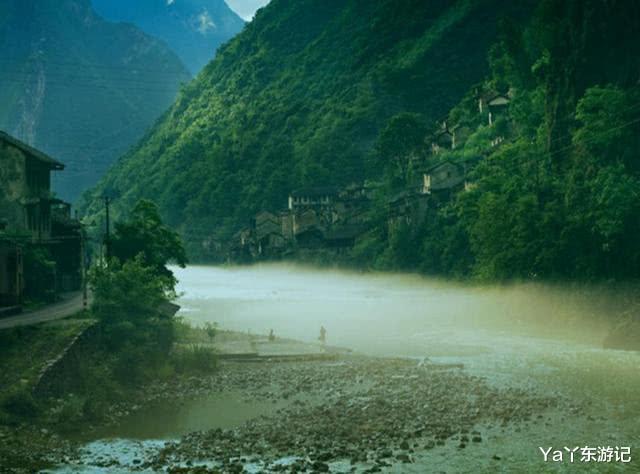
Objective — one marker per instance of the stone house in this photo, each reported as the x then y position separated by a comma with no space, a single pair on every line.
443,178
407,207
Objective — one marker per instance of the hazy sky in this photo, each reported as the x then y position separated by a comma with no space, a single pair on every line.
246,8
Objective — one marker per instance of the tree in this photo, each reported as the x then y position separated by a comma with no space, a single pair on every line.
145,234
127,300
401,142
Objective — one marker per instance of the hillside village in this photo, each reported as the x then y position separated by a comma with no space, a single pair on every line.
41,244
333,219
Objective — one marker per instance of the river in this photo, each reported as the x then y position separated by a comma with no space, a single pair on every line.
531,336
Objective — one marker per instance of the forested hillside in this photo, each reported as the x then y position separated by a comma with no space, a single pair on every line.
194,29
80,88
298,99
555,192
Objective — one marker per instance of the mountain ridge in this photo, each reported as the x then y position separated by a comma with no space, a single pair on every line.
298,99
194,29
85,89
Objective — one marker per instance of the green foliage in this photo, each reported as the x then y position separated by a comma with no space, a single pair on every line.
557,185
127,300
211,330
39,271
401,142
194,359
19,405
346,97
298,98
145,235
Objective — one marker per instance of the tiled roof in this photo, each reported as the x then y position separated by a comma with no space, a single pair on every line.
54,164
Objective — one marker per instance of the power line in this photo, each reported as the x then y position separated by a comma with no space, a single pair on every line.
31,61
115,87
85,76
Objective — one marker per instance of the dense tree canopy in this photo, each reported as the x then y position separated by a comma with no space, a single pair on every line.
298,99
145,235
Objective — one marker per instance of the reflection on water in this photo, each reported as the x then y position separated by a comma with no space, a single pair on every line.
172,420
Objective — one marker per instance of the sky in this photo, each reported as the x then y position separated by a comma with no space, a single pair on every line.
246,8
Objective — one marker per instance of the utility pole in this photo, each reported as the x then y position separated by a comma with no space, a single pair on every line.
107,236
83,263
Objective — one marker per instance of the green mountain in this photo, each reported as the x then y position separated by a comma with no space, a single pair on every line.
194,29
552,186
299,98
78,87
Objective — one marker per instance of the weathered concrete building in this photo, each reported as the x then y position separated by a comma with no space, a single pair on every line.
32,217
25,181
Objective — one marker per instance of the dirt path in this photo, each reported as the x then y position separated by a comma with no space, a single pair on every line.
71,303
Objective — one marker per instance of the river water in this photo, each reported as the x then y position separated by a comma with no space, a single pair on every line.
545,338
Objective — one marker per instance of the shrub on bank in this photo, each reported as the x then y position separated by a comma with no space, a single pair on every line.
19,405
194,359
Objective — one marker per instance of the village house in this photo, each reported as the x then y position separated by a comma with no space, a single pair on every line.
443,139
242,247
268,234
65,245
407,207
493,104
31,215
310,237
25,178
343,237
352,204
286,224
316,218
316,197
443,178
305,219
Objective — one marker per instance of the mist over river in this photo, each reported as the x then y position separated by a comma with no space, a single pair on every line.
392,314
542,341
537,336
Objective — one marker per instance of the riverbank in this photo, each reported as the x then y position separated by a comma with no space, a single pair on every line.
367,413
390,410
351,414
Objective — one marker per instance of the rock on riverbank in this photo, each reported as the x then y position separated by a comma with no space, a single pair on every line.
370,413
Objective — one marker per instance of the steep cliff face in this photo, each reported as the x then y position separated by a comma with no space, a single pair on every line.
78,87
194,29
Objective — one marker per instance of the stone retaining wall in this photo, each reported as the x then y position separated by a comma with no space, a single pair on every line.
57,375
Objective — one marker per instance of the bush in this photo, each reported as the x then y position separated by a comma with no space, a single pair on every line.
20,405
198,359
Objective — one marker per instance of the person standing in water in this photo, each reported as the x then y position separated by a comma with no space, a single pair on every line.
323,335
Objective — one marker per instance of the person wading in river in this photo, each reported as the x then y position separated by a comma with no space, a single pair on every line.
323,335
